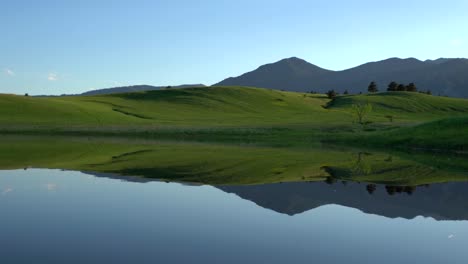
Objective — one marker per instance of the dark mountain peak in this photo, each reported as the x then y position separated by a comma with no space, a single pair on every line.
292,62
293,59
445,60
455,61
442,76
397,59
438,61
392,62
293,73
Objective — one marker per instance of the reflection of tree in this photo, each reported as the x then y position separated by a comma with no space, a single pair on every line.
361,166
410,189
392,190
371,188
330,180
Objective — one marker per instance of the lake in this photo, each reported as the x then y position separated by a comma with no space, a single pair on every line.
149,202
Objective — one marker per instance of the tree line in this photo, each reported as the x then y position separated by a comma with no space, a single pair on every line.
373,88
396,87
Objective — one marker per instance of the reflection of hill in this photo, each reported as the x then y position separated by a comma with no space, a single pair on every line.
134,179
227,164
439,201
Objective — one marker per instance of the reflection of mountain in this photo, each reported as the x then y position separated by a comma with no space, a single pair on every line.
439,201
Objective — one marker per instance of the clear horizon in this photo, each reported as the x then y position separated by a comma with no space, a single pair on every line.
67,48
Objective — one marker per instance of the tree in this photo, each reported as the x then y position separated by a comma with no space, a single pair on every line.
331,94
392,86
346,92
401,87
361,111
428,92
372,88
26,94
411,88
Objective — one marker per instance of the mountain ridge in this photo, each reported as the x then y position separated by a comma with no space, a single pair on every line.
444,76
136,88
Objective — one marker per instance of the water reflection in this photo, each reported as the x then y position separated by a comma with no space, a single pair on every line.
440,201
54,216
233,165
371,187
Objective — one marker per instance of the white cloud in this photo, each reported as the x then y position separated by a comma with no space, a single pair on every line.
51,186
9,72
456,43
52,77
7,190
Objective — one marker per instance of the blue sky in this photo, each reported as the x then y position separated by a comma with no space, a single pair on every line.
55,47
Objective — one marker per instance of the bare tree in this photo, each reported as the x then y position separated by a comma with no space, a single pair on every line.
361,111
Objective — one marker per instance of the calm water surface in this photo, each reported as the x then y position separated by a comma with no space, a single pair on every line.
53,216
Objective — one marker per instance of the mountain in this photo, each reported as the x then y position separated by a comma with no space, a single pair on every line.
288,74
136,88
443,76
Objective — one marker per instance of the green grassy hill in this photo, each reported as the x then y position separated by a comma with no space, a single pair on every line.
405,106
238,114
205,106
219,106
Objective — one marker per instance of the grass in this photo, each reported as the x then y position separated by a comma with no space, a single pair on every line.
199,107
405,106
245,115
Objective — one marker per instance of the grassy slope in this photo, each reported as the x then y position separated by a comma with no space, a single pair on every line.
217,164
242,114
219,106
405,106
233,106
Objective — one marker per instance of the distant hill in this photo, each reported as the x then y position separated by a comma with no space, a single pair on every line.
442,76
136,88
